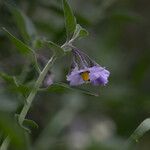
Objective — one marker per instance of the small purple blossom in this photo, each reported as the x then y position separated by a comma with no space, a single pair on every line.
85,70
99,75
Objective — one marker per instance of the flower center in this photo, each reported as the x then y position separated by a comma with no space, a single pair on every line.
85,76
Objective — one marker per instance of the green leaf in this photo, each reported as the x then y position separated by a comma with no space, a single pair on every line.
8,79
62,87
23,48
70,20
141,130
28,124
55,48
24,24
79,32
22,89
14,85
8,126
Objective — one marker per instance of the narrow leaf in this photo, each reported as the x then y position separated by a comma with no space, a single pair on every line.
62,87
23,48
70,20
141,130
8,126
24,24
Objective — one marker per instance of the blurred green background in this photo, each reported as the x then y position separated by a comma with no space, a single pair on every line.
68,119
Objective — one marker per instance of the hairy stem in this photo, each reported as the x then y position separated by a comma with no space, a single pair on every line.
5,144
34,90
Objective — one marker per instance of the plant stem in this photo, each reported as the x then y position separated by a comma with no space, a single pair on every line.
34,90
5,144
30,98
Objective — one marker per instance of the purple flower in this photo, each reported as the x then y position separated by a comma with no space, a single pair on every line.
85,70
99,75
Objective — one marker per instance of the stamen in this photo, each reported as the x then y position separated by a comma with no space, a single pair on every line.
85,76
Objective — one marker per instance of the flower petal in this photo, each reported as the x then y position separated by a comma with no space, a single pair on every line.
99,75
74,78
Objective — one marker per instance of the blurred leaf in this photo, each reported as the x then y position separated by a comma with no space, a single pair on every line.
23,48
28,124
70,20
141,130
24,24
60,121
125,16
56,48
9,127
79,32
62,87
